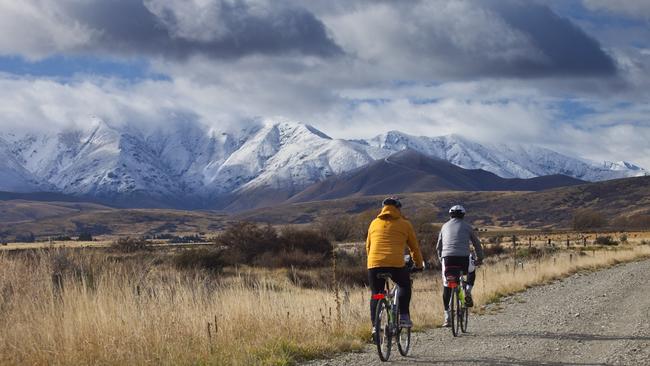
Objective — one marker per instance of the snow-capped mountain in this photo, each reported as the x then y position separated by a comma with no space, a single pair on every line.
506,160
13,176
188,164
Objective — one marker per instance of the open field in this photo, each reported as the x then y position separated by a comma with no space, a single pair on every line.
625,203
81,307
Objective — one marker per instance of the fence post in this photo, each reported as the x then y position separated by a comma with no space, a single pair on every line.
337,296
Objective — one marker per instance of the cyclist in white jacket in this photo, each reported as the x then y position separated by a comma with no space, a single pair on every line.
454,252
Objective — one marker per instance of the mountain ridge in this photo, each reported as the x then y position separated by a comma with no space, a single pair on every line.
187,164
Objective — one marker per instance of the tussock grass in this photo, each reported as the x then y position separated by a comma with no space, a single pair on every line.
60,307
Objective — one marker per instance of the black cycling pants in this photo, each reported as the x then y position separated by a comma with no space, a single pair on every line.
454,265
378,285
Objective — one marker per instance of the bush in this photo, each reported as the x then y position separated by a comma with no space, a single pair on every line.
129,245
493,249
495,239
623,238
336,228
62,238
245,240
605,240
248,243
588,219
362,222
292,258
308,241
85,237
200,258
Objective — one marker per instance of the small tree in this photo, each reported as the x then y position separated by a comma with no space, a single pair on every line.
337,228
85,236
245,240
588,219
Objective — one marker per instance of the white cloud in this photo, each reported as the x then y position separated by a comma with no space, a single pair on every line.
39,28
630,8
427,67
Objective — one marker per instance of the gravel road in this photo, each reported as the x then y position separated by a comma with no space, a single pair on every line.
597,318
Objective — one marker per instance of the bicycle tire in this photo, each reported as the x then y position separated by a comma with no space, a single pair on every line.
453,306
464,319
383,337
404,341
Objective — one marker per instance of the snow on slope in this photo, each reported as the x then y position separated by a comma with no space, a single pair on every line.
505,160
13,176
185,160
289,156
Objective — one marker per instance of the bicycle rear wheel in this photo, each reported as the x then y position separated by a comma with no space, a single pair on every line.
453,308
383,337
464,316
404,341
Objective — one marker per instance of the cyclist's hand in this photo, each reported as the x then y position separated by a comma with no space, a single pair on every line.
478,262
417,269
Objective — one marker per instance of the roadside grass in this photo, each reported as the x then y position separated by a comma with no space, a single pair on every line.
72,307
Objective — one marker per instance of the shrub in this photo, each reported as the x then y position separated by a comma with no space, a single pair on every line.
362,222
308,241
248,243
129,245
62,238
336,227
85,237
623,238
245,240
495,239
292,258
200,258
493,249
605,240
588,219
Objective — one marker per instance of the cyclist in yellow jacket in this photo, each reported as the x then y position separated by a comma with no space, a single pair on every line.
388,237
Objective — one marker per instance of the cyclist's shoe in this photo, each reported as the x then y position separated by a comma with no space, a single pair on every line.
468,300
373,334
447,322
405,321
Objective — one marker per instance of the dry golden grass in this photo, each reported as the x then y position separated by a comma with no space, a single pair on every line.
57,245
141,313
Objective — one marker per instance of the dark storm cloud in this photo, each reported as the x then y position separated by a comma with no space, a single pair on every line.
131,27
568,49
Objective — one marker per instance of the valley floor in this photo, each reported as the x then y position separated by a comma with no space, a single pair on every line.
590,318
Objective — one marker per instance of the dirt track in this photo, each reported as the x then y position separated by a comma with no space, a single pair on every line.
600,318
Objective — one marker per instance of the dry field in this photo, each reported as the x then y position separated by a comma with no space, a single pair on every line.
62,307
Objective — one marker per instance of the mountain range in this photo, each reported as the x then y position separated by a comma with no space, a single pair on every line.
186,164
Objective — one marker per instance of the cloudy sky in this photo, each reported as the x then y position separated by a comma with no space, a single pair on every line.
572,75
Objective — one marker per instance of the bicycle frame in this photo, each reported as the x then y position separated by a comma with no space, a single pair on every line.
392,297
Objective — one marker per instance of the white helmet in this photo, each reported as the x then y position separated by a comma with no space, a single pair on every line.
457,211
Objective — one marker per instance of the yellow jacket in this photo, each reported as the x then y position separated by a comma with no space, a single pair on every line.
388,236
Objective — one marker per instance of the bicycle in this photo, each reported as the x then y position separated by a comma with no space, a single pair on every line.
387,321
457,307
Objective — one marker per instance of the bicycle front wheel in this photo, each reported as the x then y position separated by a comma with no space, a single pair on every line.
453,308
404,341
383,337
